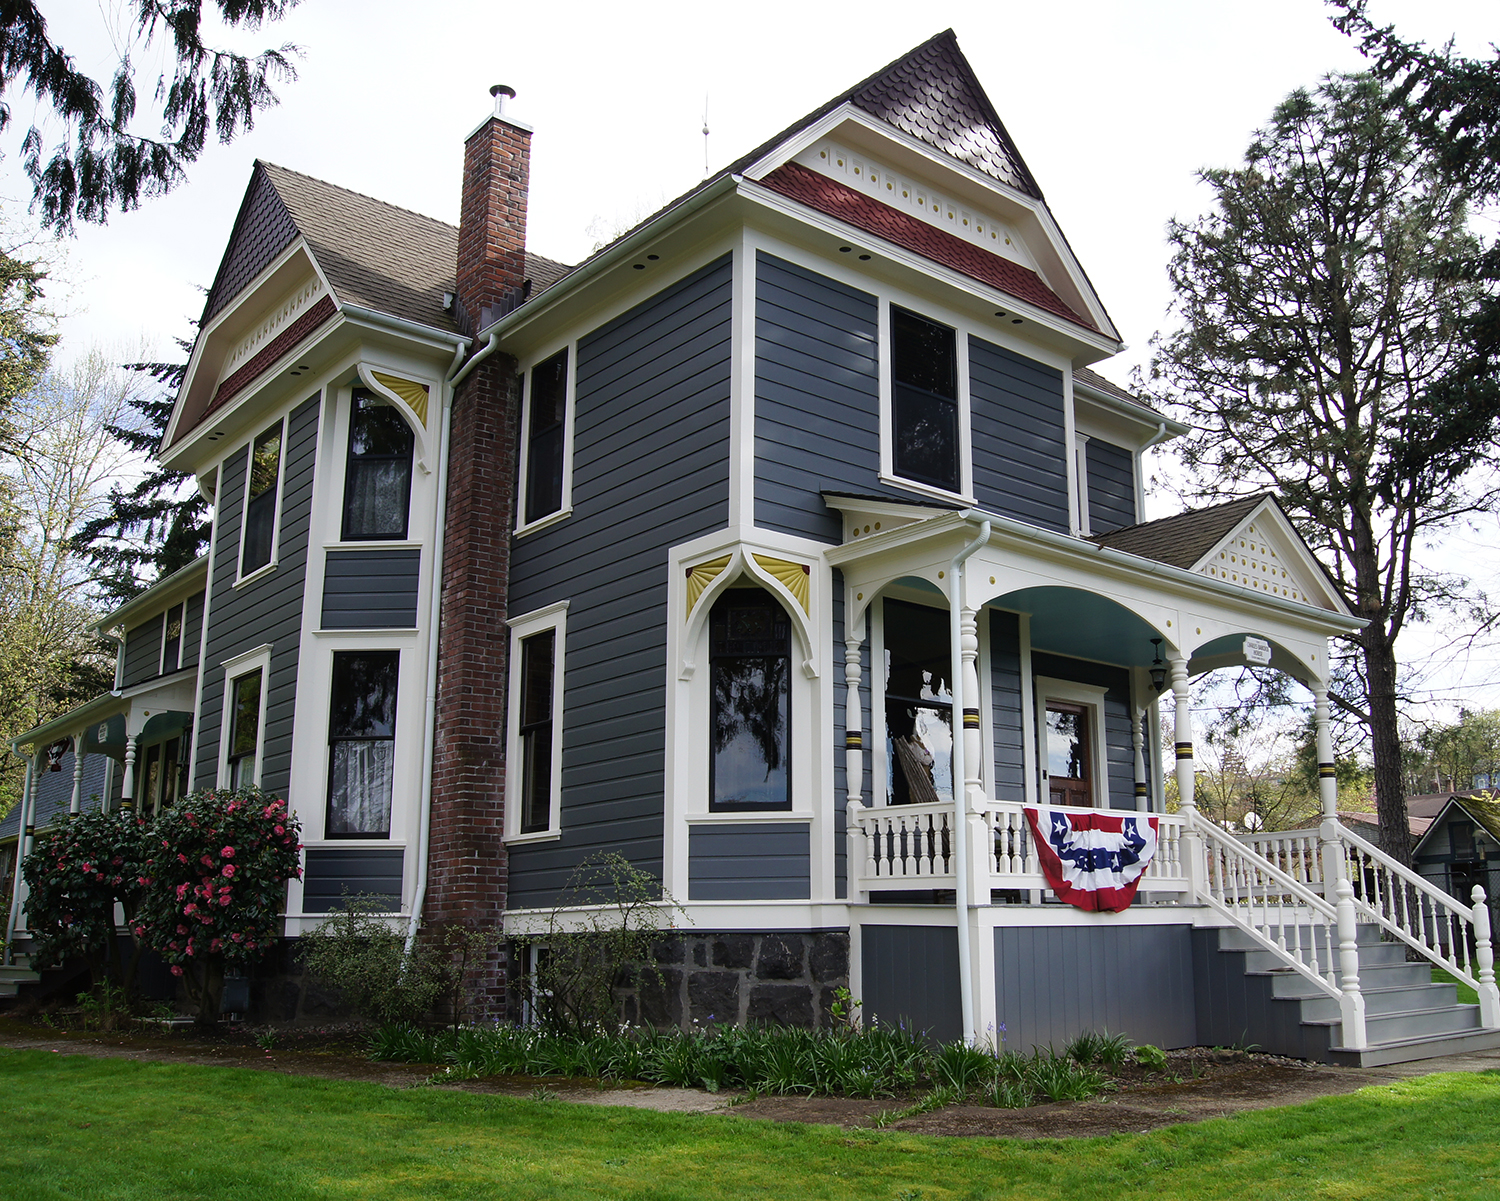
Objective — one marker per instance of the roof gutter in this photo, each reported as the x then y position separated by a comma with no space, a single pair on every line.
456,376
402,325
1136,412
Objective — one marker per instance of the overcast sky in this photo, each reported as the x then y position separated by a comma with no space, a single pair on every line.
1113,105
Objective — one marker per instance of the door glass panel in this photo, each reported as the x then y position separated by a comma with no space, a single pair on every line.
918,704
1067,748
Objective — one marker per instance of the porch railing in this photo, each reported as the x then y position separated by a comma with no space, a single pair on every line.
910,847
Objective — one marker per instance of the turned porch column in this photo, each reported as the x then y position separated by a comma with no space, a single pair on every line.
980,841
1138,745
77,775
127,782
854,753
1195,862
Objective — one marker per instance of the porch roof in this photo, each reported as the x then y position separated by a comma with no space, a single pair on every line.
1031,569
108,718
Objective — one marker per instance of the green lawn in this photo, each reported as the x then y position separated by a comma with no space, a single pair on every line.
104,1128
1466,995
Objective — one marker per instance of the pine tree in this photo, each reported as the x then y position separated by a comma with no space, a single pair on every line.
159,525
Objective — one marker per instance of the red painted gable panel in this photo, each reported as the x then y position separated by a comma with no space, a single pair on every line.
828,196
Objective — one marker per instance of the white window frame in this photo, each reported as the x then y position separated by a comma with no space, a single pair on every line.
523,446
236,668
166,620
266,568
552,617
1091,697
888,406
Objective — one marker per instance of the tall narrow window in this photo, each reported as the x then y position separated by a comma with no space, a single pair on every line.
546,418
260,501
362,744
377,477
918,704
750,653
924,412
538,659
171,643
244,730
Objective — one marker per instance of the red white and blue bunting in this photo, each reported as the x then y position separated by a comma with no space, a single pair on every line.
1093,860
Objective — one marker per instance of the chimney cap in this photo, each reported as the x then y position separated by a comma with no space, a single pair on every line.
501,92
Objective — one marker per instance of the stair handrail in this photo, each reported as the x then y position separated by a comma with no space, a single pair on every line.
1475,917
1222,848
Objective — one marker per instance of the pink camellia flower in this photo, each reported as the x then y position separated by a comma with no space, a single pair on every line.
224,900
215,945
227,853
236,936
139,931
281,829
181,889
181,858
228,870
182,929
190,950
88,867
205,860
176,970
189,910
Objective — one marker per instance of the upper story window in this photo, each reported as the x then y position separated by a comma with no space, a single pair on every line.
258,537
750,656
362,743
546,438
242,759
377,475
171,642
924,401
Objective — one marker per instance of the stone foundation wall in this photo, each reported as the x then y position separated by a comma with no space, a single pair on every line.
733,979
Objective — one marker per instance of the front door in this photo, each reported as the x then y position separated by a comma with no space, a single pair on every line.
1069,761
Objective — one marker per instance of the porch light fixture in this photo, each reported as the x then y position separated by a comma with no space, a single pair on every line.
1158,668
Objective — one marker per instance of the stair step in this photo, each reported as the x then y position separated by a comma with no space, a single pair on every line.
1413,1024
1232,938
1408,1050
1383,1002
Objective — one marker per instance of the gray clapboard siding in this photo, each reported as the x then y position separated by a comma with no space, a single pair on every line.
267,610
817,398
750,862
650,471
1054,983
911,976
1005,707
1119,748
192,629
371,589
1016,418
1111,471
332,874
143,650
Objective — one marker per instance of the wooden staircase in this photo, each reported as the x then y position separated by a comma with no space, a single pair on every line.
1247,995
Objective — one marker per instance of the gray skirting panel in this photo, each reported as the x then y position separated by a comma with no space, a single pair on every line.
331,874
1052,983
910,976
750,862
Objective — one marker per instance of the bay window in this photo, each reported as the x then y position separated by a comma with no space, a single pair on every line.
377,472
362,743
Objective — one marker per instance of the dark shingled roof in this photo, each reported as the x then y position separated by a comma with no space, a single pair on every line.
379,256
1096,381
930,93
933,94
1182,540
864,212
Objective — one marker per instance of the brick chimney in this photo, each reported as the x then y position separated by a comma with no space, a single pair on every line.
467,864
492,217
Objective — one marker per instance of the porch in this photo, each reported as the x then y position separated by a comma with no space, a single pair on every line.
940,857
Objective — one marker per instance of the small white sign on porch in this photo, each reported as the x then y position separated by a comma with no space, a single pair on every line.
1257,651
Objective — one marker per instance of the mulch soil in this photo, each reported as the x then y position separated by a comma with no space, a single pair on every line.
1194,1085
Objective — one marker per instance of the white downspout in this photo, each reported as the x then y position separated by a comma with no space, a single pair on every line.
960,801
28,806
434,620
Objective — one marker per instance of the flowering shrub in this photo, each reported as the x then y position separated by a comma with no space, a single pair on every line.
75,874
216,885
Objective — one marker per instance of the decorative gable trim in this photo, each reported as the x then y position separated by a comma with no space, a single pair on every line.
1264,553
909,232
289,338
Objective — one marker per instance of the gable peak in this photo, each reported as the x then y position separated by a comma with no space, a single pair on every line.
932,94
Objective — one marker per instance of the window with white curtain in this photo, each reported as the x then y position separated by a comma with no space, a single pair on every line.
362,743
377,475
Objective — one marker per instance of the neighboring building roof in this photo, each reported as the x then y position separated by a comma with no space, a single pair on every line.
374,255
1183,539
864,212
1417,825
1480,807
